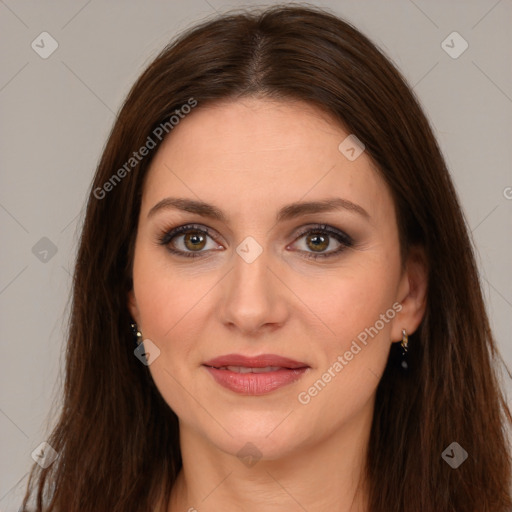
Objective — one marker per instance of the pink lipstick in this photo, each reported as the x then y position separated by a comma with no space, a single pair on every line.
254,375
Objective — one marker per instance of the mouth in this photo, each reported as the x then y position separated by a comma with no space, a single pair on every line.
255,375
244,369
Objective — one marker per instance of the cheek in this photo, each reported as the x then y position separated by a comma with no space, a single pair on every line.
349,299
355,306
351,362
166,298
170,309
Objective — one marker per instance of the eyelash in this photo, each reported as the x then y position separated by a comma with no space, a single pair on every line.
345,240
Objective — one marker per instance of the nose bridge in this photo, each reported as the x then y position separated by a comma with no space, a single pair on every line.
250,268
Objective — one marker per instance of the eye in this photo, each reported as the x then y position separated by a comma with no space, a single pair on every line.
322,242
190,240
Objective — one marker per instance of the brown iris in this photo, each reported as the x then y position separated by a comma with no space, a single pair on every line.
319,242
194,240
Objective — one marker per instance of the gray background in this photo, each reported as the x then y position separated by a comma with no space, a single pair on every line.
57,113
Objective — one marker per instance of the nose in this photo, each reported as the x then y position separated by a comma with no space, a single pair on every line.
254,300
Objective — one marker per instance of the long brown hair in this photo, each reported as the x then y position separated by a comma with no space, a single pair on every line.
117,439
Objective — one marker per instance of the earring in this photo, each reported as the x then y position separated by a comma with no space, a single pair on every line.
136,333
405,345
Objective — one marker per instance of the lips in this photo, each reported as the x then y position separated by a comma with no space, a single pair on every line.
254,375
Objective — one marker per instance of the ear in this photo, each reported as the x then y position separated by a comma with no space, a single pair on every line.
412,294
132,306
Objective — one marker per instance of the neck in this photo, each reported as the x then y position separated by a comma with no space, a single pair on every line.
326,475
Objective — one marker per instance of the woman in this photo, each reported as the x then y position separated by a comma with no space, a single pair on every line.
276,304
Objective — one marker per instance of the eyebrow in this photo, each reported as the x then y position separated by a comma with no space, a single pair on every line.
288,212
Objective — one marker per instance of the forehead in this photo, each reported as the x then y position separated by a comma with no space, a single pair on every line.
254,153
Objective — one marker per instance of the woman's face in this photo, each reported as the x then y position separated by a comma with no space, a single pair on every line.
243,279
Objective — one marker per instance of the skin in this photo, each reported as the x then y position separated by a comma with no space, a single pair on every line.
249,158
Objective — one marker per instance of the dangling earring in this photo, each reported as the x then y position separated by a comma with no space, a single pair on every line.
136,333
405,345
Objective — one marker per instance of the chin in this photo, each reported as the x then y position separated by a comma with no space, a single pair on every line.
256,447
269,438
